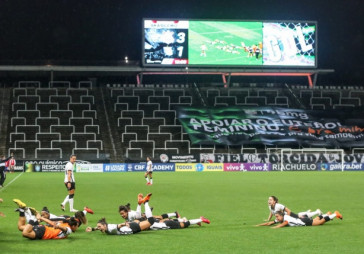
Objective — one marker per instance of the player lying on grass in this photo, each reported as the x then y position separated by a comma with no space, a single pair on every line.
275,207
286,220
131,215
135,227
31,215
53,230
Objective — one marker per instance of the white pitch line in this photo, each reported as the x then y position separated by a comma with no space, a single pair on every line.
11,182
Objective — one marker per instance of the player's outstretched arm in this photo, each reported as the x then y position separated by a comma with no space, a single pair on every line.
269,223
90,229
283,224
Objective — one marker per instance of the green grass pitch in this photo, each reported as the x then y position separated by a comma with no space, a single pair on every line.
232,33
233,201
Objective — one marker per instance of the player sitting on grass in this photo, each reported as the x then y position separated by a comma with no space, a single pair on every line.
275,207
53,230
131,215
286,220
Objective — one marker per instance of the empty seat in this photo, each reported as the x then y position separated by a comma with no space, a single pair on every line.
185,99
327,101
239,93
14,121
45,93
134,153
88,99
153,123
168,115
28,145
18,106
123,121
269,94
120,107
76,93
62,101
183,146
29,130
163,101
353,101
63,115
45,123
65,145
46,138
175,130
159,151
19,91
95,144
30,115
132,101
48,153
92,128
115,92
147,146
135,115
89,114
86,153
77,108
127,137
80,122
140,130
159,138
64,130
143,94
16,136
148,108
175,106
174,94
45,108
29,100
81,138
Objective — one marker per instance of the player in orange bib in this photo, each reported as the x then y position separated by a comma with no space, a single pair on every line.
53,230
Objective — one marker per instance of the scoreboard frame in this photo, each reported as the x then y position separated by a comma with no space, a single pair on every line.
263,66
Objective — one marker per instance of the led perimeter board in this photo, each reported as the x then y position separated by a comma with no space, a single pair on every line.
229,43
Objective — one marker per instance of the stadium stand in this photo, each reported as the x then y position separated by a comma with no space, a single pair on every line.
53,122
59,118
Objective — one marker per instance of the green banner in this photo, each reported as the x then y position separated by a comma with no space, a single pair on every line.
273,126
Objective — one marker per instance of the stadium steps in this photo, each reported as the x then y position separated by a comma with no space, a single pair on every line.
114,151
4,118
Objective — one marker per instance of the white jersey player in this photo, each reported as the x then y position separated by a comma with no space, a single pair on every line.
286,220
149,172
69,181
275,207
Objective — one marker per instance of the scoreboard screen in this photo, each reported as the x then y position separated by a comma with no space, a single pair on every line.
229,43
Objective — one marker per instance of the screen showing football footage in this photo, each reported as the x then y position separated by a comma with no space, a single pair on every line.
229,43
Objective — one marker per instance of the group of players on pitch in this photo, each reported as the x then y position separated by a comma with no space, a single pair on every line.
285,217
59,227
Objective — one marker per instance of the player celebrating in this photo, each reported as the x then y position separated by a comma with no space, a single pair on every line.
286,220
149,172
52,231
203,48
275,207
69,181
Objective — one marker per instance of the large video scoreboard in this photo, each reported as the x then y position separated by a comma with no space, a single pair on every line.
229,43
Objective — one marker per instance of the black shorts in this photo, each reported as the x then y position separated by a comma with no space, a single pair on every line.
307,221
39,231
135,227
73,186
173,224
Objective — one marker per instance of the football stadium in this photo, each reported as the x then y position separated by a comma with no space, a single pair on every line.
239,124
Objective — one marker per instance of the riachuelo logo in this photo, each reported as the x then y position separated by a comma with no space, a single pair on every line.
199,167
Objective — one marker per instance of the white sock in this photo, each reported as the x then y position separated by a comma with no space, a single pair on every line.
171,215
311,214
332,216
84,212
148,211
151,180
27,214
195,221
71,203
65,200
147,179
139,209
301,214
